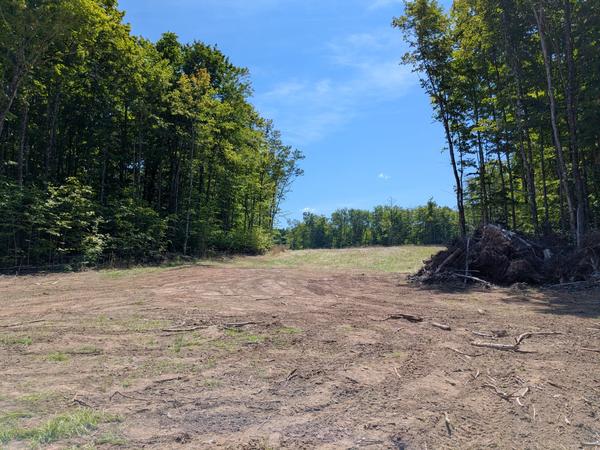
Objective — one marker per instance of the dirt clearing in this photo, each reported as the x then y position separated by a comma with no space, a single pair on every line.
230,357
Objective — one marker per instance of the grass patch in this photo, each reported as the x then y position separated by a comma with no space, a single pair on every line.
12,417
143,270
134,271
211,383
110,439
57,357
407,258
244,337
85,350
71,424
37,400
185,341
11,340
289,330
156,367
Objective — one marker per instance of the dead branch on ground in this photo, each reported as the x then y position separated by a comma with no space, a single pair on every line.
19,324
238,324
518,341
409,317
183,330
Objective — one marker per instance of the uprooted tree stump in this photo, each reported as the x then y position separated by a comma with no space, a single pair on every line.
499,256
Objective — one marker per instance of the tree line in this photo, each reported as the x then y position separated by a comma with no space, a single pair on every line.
383,226
515,85
116,148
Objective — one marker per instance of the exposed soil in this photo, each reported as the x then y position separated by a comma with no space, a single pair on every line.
318,366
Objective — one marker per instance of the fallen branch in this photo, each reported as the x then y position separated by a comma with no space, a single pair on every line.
441,326
293,374
166,380
521,393
518,395
483,334
502,394
80,402
516,346
478,280
496,346
449,259
183,330
128,396
238,325
462,353
448,424
529,334
596,350
409,317
13,325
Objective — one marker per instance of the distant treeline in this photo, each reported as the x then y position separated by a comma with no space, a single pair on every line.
384,225
515,86
116,148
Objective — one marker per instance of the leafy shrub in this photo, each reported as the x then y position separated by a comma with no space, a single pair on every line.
138,232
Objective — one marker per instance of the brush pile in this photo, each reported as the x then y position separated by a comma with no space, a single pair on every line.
493,255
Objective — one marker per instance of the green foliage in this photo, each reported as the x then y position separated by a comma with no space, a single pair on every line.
115,148
385,225
75,423
510,82
68,222
139,233
9,340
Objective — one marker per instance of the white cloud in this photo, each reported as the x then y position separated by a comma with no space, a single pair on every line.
309,210
383,176
367,73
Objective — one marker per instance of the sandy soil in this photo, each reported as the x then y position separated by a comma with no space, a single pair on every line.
287,358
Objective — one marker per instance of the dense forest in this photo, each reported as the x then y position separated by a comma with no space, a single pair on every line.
516,86
384,225
114,148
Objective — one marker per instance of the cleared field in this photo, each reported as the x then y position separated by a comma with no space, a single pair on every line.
404,259
229,357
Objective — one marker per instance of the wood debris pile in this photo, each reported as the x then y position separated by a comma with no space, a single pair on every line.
493,255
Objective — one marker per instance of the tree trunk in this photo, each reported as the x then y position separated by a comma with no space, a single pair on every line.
485,218
13,88
544,184
513,63
52,119
511,184
190,187
539,18
103,177
22,144
571,89
457,178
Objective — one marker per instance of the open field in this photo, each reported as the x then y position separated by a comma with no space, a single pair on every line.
277,352
405,259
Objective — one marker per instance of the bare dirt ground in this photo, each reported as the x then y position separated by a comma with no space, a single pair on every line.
228,357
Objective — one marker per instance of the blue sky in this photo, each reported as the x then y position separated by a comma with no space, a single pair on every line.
328,73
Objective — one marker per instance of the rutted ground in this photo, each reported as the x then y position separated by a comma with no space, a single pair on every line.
226,357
